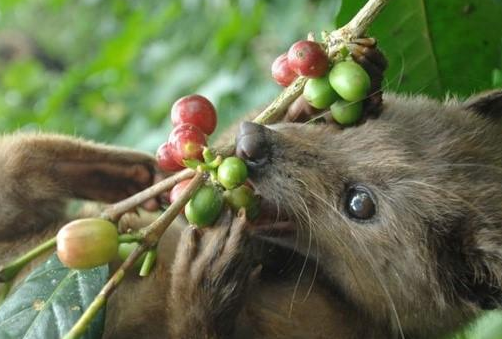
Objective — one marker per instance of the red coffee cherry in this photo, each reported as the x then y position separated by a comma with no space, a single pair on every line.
281,72
196,110
177,190
165,159
186,141
308,58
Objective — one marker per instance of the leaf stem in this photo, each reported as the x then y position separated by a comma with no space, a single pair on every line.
9,271
129,237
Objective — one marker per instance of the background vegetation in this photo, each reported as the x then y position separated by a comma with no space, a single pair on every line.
109,70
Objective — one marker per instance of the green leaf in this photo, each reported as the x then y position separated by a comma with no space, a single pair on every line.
434,46
50,301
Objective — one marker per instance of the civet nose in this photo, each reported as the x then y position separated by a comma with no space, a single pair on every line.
251,144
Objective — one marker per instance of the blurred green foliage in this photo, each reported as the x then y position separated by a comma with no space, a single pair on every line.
126,62
109,70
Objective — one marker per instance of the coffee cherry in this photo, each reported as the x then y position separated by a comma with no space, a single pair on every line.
186,141
243,197
204,207
308,58
281,71
232,172
126,248
196,110
346,113
165,160
350,80
177,190
87,243
319,93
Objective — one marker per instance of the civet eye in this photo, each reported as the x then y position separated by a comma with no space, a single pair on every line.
360,204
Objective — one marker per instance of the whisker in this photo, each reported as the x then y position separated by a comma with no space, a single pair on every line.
304,265
367,256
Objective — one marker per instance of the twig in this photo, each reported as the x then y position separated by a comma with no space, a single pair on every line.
357,26
151,235
115,211
274,111
9,272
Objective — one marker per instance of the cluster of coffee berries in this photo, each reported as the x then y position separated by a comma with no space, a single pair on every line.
87,243
341,87
193,118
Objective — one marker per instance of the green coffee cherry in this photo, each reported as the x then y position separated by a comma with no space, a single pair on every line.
126,248
204,207
87,243
350,80
346,113
232,172
319,93
243,197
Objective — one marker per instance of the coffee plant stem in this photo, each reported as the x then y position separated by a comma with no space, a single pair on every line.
115,211
152,233
99,301
356,27
129,237
9,271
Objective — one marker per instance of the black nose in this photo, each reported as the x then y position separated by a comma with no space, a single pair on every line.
251,144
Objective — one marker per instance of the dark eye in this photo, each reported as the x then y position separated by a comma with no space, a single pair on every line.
360,204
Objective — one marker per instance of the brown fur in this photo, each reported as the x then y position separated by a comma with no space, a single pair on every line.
430,259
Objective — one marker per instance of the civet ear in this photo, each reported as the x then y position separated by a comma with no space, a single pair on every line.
487,104
481,279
